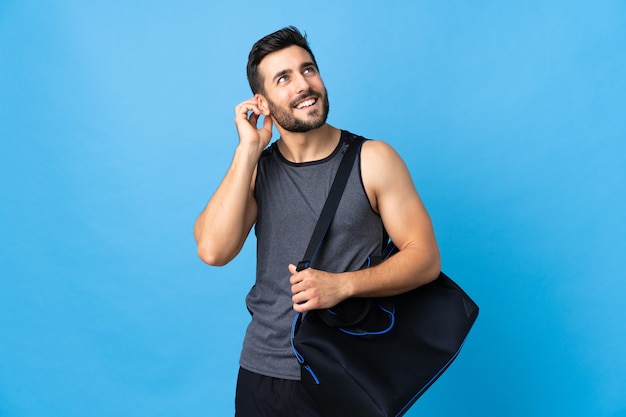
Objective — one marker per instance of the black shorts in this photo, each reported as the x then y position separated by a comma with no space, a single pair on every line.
264,396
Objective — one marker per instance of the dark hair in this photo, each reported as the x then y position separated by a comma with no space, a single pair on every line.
273,42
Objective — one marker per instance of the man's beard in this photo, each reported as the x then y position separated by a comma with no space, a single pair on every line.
285,119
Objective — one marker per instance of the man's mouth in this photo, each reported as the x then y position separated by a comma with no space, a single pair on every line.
306,103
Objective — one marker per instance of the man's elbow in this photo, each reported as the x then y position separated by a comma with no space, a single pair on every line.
434,268
211,256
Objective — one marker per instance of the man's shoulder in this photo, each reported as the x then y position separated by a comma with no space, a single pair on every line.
375,150
374,143
268,152
378,155
377,146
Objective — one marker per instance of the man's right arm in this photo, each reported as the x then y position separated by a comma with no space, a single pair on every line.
223,226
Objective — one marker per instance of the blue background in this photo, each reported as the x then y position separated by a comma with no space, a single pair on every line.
116,125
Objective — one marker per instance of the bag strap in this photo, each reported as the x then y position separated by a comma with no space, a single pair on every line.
332,202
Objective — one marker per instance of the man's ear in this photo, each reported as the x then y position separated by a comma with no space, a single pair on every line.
262,103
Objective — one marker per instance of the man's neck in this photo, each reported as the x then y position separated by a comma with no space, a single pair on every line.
308,146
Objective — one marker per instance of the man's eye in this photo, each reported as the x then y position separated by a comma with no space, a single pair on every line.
309,70
282,79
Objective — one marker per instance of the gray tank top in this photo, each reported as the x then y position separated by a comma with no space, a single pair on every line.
290,197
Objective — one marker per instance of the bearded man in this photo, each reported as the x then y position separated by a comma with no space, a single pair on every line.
280,190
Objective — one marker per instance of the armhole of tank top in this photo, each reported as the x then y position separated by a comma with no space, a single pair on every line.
359,162
265,154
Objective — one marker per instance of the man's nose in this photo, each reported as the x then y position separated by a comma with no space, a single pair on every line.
301,83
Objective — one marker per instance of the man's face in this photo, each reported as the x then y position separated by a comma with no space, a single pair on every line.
294,90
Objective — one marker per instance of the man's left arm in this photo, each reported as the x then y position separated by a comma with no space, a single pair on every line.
393,195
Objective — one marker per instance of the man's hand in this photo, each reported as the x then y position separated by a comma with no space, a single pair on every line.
313,289
247,116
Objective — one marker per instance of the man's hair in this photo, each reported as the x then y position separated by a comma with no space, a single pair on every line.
273,42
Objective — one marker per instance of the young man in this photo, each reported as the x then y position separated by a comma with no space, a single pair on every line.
280,190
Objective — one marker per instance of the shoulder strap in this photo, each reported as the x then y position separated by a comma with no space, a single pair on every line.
332,202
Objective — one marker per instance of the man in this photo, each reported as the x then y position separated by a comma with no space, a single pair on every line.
280,190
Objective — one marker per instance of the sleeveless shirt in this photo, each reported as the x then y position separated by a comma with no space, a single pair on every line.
290,197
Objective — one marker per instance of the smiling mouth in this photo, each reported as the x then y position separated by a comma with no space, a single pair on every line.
306,103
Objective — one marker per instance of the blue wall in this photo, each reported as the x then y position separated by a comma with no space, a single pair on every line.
116,125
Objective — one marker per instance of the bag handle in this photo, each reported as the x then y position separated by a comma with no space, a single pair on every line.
332,202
